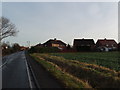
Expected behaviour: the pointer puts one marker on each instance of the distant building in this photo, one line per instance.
(106, 45)
(83, 44)
(23, 48)
(55, 43)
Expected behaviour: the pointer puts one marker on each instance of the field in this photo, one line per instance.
(107, 59)
(72, 70)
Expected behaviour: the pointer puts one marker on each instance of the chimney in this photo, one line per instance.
(55, 39)
(105, 39)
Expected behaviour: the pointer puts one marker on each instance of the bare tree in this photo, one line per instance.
(6, 28)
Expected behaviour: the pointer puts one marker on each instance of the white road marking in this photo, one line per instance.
(7, 61)
(29, 77)
(8, 58)
(3, 64)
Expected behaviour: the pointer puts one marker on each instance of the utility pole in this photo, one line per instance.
(28, 43)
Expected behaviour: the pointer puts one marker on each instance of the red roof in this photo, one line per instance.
(106, 42)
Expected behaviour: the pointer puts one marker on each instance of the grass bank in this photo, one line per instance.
(66, 79)
(96, 76)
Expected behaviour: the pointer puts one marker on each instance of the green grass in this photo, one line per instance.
(107, 59)
(66, 79)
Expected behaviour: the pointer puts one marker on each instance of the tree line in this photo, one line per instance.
(7, 28)
(9, 49)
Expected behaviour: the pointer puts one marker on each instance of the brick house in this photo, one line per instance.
(106, 45)
(83, 44)
(55, 43)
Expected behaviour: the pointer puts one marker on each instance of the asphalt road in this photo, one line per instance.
(15, 73)
(18, 69)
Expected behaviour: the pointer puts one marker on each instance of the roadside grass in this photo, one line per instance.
(97, 76)
(107, 59)
(67, 80)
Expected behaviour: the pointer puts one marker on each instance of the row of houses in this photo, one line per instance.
(84, 45)
(90, 45)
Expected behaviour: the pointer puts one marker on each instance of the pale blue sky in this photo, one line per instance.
(0, 9)
(39, 21)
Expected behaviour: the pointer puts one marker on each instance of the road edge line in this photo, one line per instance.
(31, 70)
(28, 73)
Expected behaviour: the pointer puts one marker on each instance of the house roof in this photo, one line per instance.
(39, 44)
(83, 42)
(106, 41)
(119, 44)
(54, 41)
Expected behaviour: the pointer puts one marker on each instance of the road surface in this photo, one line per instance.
(19, 70)
(15, 73)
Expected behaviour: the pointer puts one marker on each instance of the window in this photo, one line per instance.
(55, 45)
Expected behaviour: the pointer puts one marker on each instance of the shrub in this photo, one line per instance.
(44, 50)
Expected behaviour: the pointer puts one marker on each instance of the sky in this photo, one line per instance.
(38, 22)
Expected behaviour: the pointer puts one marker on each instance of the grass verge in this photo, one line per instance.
(67, 80)
(97, 77)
